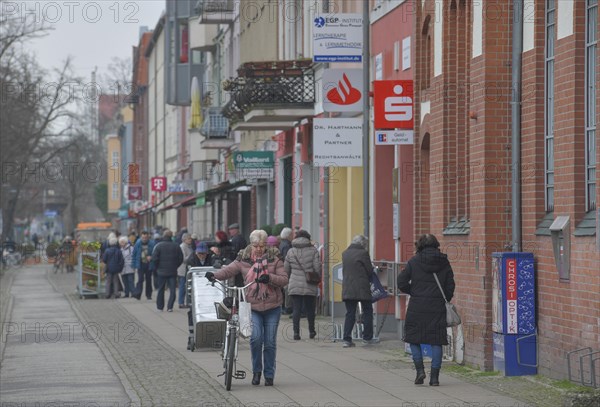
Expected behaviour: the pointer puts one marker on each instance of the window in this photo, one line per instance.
(549, 106)
(427, 59)
(115, 191)
(115, 159)
(591, 45)
(396, 55)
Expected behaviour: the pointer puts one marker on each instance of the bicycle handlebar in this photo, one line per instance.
(231, 288)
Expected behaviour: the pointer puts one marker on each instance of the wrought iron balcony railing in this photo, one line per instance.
(270, 85)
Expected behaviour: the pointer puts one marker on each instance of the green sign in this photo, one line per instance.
(253, 159)
(201, 200)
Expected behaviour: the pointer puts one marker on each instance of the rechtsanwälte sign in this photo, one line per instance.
(337, 142)
(254, 164)
(338, 38)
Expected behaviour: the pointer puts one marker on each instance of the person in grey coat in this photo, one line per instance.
(356, 287)
(187, 249)
(300, 259)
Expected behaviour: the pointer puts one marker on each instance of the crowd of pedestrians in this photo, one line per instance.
(287, 271)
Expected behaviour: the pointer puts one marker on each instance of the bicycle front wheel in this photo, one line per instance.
(229, 357)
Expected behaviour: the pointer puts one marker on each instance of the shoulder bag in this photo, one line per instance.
(312, 277)
(452, 317)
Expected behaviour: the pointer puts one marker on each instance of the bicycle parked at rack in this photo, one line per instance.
(232, 331)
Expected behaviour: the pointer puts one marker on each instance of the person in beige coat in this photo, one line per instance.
(265, 266)
(302, 258)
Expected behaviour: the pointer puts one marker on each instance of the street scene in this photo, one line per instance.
(59, 350)
(299, 202)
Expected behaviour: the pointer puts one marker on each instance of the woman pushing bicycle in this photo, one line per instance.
(262, 264)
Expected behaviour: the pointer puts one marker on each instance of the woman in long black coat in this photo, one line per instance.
(426, 315)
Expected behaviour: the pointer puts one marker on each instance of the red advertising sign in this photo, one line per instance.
(159, 183)
(133, 172)
(393, 104)
(134, 192)
(511, 296)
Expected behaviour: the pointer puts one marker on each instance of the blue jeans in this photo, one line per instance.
(128, 286)
(264, 340)
(182, 296)
(436, 354)
(367, 308)
(160, 296)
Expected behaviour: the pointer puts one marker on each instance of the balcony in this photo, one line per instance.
(216, 11)
(215, 129)
(270, 95)
(202, 35)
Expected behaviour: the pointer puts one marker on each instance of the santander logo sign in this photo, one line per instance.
(342, 90)
(344, 94)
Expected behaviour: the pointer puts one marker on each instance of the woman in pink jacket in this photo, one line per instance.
(262, 264)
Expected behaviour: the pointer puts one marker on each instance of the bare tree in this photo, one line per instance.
(33, 103)
(117, 79)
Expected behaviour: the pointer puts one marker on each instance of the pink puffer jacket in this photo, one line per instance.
(277, 278)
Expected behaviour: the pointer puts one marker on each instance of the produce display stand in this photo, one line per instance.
(92, 281)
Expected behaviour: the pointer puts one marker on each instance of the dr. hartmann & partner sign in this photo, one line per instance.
(337, 142)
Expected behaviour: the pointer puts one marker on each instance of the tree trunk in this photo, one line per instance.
(8, 217)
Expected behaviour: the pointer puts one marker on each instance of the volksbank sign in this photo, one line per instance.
(253, 159)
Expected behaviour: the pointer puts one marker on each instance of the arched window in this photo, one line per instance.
(427, 57)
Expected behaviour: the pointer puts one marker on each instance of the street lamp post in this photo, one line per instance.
(366, 118)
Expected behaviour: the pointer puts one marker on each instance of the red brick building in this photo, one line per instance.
(462, 159)
(140, 115)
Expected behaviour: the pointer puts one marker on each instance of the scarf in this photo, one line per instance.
(259, 291)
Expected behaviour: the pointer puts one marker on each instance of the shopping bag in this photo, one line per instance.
(245, 314)
(377, 290)
(452, 317)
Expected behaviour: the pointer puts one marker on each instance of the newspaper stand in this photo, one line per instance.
(208, 328)
(91, 277)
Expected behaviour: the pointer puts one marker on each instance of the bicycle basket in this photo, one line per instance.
(223, 312)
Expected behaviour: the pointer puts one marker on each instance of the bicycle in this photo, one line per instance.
(232, 332)
(59, 262)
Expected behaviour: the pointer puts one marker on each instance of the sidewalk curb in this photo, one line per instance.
(7, 314)
(131, 393)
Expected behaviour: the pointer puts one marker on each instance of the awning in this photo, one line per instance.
(180, 204)
(223, 187)
(144, 211)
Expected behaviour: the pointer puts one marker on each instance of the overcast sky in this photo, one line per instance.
(92, 32)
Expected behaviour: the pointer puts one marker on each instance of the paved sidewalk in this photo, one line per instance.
(48, 355)
(140, 356)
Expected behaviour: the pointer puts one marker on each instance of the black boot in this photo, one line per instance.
(256, 378)
(420, 372)
(434, 377)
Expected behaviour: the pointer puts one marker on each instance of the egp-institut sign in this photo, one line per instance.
(338, 38)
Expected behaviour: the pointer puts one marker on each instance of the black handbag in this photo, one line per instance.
(312, 277)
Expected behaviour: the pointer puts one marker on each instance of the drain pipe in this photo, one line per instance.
(517, 52)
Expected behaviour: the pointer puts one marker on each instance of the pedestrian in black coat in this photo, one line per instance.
(237, 240)
(356, 287)
(426, 314)
(167, 257)
(113, 258)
